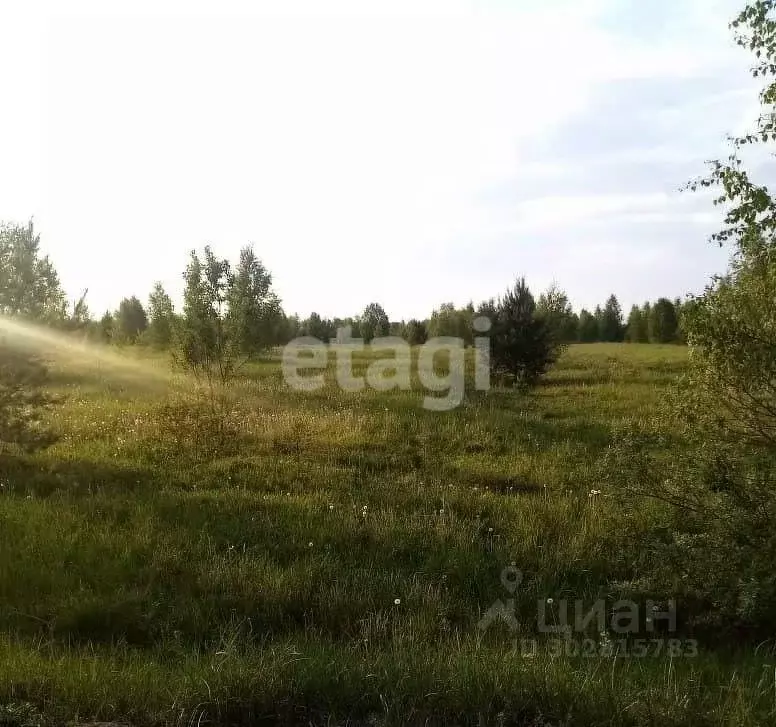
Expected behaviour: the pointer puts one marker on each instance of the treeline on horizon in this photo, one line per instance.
(658, 322)
(30, 287)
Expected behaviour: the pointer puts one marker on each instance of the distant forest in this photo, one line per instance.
(31, 288)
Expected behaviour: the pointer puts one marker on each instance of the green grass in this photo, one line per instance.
(148, 581)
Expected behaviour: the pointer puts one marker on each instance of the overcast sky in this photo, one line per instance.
(408, 153)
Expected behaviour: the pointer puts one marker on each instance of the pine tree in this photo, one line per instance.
(523, 346)
(610, 321)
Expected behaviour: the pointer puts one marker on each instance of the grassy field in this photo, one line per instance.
(329, 561)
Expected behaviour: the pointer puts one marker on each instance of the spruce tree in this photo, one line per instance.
(523, 346)
(611, 324)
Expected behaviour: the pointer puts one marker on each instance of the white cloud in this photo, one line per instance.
(349, 144)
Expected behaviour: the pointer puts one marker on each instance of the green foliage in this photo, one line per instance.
(29, 284)
(732, 327)
(750, 210)
(76, 318)
(716, 549)
(450, 321)
(415, 332)
(22, 401)
(714, 543)
(588, 327)
(163, 564)
(374, 322)
(732, 330)
(610, 324)
(204, 428)
(354, 323)
(203, 346)
(487, 309)
(684, 311)
(317, 327)
(21, 714)
(161, 318)
(636, 330)
(253, 321)
(555, 308)
(130, 321)
(663, 322)
(731, 391)
(646, 313)
(105, 327)
(522, 343)
(290, 327)
(228, 316)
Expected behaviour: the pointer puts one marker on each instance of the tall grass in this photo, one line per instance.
(328, 556)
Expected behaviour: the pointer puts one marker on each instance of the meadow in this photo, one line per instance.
(326, 557)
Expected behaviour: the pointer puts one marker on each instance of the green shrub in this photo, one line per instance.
(22, 401)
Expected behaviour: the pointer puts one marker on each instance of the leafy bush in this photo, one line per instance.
(718, 544)
(229, 315)
(732, 329)
(712, 542)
